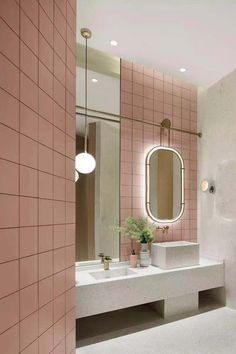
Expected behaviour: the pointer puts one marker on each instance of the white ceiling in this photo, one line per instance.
(199, 35)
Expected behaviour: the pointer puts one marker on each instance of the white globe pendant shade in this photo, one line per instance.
(85, 163)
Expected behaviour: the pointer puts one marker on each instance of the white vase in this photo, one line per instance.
(144, 258)
(144, 247)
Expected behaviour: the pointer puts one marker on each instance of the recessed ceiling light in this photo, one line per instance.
(94, 80)
(113, 43)
(182, 70)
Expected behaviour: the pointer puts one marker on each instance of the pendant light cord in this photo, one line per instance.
(86, 95)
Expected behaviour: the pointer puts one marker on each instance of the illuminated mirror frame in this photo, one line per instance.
(147, 184)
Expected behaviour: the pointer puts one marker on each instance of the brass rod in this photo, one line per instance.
(133, 119)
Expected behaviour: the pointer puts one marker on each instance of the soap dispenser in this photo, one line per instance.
(133, 260)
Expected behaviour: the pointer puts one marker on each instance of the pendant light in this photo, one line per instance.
(85, 162)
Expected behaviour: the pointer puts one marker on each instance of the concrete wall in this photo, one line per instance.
(217, 161)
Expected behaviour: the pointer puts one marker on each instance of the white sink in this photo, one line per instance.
(112, 273)
(177, 254)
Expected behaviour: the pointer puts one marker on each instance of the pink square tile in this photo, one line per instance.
(138, 67)
(126, 86)
(70, 213)
(70, 104)
(45, 291)
(28, 330)
(70, 147)
(59, 307)
(45, 80)
(59, 117)
(28, 300)
(28, 271)
(45, 51)
(126, 110)
(45, 212)
(59, 236)
(70, 277)
(70, 256)
(45, 264)
(9, 144)
(60, 348)
(148, 81)
(48, 7)
(28, 211)
(70, 126)
(45, 317)
(9, 309)
(45, 185)
(9, 43)
(70, 169)
(60, 165)
(9, 340)
(59, 45)
(70, 321)
(9, 277)
(10, 13)
(45, 132)
(59, 69)
(28, 241)
(8, 177)
(71, 18)
(59, 188)
(70, 299)
(9, 206)
(126, 64)
(45, 238)
(32, 348)
(28, 182)
(28, 33)
(45, 106)
(28, 62)
(28, 152)
(70, 342)
(45, 159)
(70, 234)
(60, 22)
(46, 342)
(70, 61)
(59, 283)
(59, 94)
(59, 259)
(59, 330)
(9, 244)
(59, 212)
(9, 110)
(70, 191)
(45, 26)
(126, 74)
(28, 92)
(28, 122)
(59, 140)
(31, 10)
(10, 80)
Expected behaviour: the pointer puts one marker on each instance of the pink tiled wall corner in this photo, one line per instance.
(37, 199)
(147, 97)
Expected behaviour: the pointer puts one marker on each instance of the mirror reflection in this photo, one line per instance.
(164, 194)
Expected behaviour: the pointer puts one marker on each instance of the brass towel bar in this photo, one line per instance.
(133, 119)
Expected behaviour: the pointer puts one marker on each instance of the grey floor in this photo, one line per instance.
(139, 330)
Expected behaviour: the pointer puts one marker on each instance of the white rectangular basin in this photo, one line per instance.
(176, 254)
(112, 273)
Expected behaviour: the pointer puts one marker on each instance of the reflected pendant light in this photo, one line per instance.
(85, 162)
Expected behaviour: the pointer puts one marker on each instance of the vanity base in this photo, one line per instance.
(178, 305)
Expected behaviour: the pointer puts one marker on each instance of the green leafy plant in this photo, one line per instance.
(139, 229)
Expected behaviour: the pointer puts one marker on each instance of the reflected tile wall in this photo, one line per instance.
(37, 199)
(147, 97)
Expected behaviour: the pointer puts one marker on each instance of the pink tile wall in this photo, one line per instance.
(37, 199)
(147, 97)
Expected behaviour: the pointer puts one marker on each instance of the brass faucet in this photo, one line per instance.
(102, 256)
(106, 262)
(164, 228)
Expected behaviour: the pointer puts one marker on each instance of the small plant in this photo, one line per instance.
(139, 229)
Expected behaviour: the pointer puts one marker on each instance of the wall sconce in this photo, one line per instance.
(208, 186)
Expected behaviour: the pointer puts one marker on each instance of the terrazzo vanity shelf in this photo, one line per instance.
(130, 287)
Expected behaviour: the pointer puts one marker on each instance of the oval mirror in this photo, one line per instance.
(164, 184)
